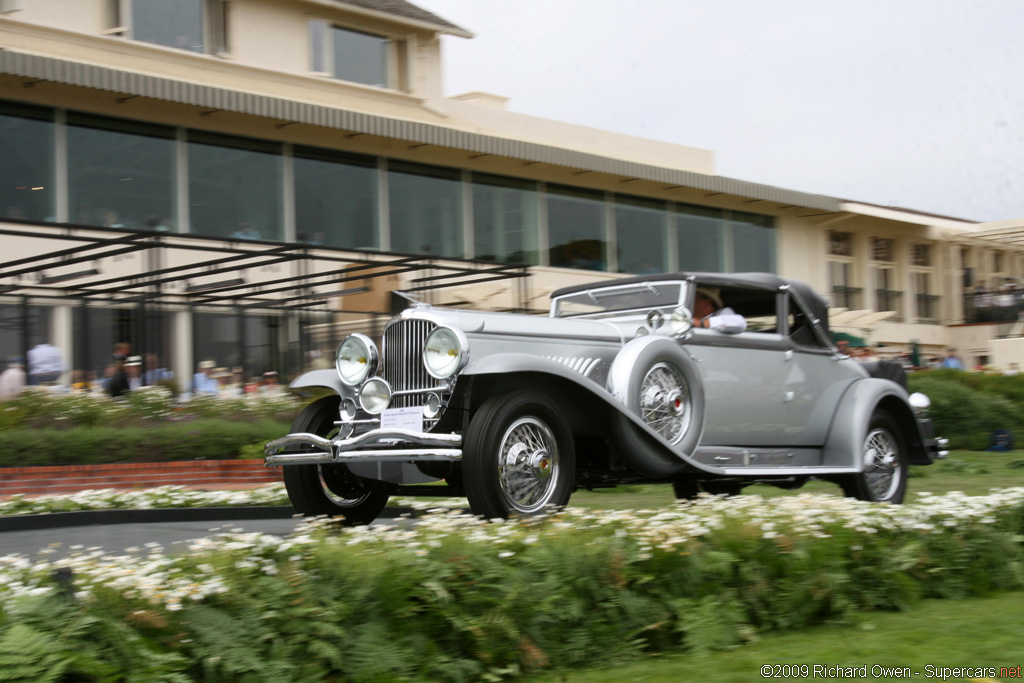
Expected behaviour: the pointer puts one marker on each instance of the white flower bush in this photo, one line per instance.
(142, 499)
(168, 581)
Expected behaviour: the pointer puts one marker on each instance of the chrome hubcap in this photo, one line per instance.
(881, 464)
(665, 402)
(528, 464)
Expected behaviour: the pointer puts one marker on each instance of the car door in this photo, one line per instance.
(744, 375)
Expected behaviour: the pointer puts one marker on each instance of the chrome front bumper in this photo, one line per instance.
(377, 445)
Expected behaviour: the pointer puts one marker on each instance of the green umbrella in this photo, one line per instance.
(851, 339)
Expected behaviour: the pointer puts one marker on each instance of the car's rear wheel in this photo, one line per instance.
(329, 489)
(518, 456)
(883, 478)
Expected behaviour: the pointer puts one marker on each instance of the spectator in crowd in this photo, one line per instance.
(952, 360)
(12, 380)
(80, 383)
(1014, 369)
(133, 368)
(154, 371)
(270, 385)
(235, 385)
(45, 364)
(117, 385)
(202, 382)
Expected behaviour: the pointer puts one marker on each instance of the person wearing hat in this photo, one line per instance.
(202, 382)
(133, 368)
(709, 312)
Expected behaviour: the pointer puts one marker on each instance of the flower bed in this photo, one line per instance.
(160, 497)
(456, 598)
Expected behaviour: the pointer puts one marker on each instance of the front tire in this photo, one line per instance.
(518, 456)
(884, 475)
(329, 489)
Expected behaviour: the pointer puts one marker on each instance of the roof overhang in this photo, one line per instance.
(67, 72)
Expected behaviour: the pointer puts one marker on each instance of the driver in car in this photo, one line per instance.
(709, 312)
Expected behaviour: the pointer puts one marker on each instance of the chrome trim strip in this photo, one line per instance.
(337, 448)
(390, 455)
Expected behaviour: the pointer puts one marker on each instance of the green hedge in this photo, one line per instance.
(968, 407)
(210, 439)
(460, 600)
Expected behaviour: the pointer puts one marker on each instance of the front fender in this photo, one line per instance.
(325, 379)
(845, 442)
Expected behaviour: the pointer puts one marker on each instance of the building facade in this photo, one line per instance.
(245, 180)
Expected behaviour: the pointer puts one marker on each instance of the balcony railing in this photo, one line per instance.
(994, 306)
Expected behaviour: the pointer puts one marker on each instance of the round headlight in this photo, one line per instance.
(444, 352)
(357, 359)
(374, 396)
(681, 321)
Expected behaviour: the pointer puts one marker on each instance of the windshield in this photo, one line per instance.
(610, 299)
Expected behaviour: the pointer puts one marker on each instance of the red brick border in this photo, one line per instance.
(210, 474)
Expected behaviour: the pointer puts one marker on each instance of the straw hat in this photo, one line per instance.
(711, 294)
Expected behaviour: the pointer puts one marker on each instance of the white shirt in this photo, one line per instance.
(12, 380)
(727, 321)
(45, 358)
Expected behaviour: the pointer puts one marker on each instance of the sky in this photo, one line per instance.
(915, 104)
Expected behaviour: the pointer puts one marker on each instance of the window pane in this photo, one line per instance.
(26, 172)
(753, 243)
(217, 338)
(426, 210)
(174, 23)
(641, 229)
(576, 229)
(120, 173)
(700, 239)
(840, 243)
(360, 57)
(505, 220)
(234, 187)
(12, 323)
(335, 199)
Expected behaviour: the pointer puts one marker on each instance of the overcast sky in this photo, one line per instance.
(917, 104)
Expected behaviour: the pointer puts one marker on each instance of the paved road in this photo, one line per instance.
(115, 538)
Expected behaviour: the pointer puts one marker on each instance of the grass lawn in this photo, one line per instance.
(972, 472)
(986, 632)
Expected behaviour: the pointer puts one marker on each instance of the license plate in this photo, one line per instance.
(410, 418)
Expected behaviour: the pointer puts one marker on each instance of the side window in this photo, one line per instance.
(800, 330)
(756, 306)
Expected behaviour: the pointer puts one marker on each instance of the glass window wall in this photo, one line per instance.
(14, 334)
(120, 173)
(576, 229)
(700, 239)
(336, 199)
(426, 209)
(505, 215)
(26, 162)
(234, 187)
(753, 242)
(173, 23)
(641, 230)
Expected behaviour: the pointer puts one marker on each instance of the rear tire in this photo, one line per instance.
(518, 457)
(329, 489)
(884, 475)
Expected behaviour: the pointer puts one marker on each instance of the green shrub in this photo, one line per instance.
(159, 442)
(966, 416)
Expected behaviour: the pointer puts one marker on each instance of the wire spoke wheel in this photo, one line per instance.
(518, 456)
(665, 402)
(882, 473)
(528, 465)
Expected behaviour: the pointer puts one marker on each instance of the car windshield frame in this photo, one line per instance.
(619, 299)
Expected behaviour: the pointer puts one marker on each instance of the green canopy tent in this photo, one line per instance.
(850, 339)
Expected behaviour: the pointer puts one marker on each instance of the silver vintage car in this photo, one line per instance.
(621, 383)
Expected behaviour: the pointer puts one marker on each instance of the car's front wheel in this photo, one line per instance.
(518, 456)
(883, 478)
(329, 489)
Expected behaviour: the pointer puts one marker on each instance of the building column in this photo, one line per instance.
(62, 331)
(182, 354)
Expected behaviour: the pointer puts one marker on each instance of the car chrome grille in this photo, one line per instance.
(402, 365)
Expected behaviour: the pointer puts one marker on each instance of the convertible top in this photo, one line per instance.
(816, 304)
